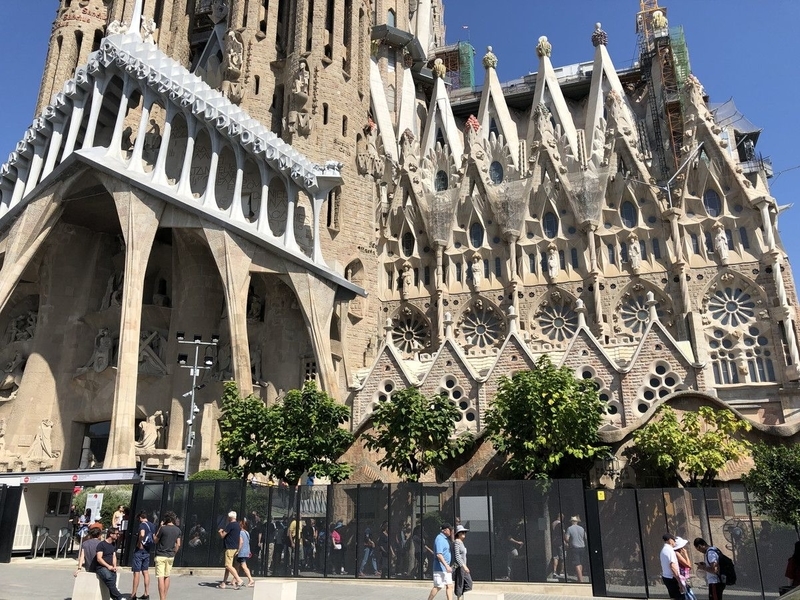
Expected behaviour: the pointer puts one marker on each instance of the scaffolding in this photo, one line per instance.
(459, 64)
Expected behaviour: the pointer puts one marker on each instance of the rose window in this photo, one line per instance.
(732, 306)
(635, 314)
(410, 333)
(558, 322)
(481, 326)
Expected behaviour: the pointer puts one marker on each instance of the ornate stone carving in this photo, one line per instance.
(368, 159)
(22, 327)
(599, 37)
(148, 30)
(476, 272)
(659, 20)
(255, 305)
(410, 331)
(219, 11)
(117, 27)
(149, 432)
(406, 281)
(553, 261)
(102, 355)
(543, 48)
(152, 346)
(480, 325)
(113, 294)
(12, 377)
(489, 59)
(42, 446)
(299, 118)
(233, 59)
(721, 243)
(439, 70)
(634, 252)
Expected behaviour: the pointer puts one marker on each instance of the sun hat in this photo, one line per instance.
(460, 528)
(680, 542)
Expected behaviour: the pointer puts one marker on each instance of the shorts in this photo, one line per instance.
(442, 579)
(230, 554)
(164, 565)
(242, 559)
(576, 556)
(141, 561)
(557, 552)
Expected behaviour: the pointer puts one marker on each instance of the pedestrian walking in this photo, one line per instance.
(442, 571)
(244, 551)
(140, 564)
(230, 543)
(670, 569)
(576, 540)
(463, 578)
(168, 542)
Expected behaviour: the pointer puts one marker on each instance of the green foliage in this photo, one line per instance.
(774, 482)
(690, 451)
(113, 496)
(415, 433)
(210, 475)
(298, 434)
(544, 418)
(243, 426)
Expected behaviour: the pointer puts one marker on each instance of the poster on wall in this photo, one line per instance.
(94, 502)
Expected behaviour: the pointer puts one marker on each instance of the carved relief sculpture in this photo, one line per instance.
(254, 306)
(233, 59)
(406, 281)
(151, 353)
(721, 243)
(476, 272)
(148, 432)
(553, 266)
(634, 252)
(22, 327)
(368, 160)
(148, 30)
(101, 357)
(42, 446)
(299, 118)
(12, 377)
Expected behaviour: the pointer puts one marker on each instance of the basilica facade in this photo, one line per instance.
(303, 183)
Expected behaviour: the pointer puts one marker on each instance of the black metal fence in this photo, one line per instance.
(516, 531)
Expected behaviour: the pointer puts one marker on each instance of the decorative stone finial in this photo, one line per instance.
(439, 70)
(659, 20)
(651, 306)
(541, 111)
(580, 310)
(512, 319)
(388, 328)
(472, 124)
(448, 325)
(599, 37)
(543, 48)
(489, 59)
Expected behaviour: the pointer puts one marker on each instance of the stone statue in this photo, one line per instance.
(152, 141)
(233, 59)
(368, 159)
(42, 446)
(476, 272)
(721, 243)
(553, 262)
(406, 281)
(299, 119)
(254, 306)
(439, 69)
(543, 48)
(659, 20)
(634, 252)
(149, 430)
(116, 28)
(219, 10)
(101, 357)
(255, 366)
(113, 294)
(151, 353)
(22, 327)
(222, 370)
(12, 376)
(148, 30)
(2, 436)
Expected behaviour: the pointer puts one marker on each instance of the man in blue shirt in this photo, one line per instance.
(230, 542)
(442, 571)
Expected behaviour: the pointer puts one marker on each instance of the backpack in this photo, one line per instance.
(727, 571)
(148, 542)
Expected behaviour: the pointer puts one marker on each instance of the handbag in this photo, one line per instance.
(337, 546)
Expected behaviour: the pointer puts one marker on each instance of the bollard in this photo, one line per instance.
(275, 589)
(88, 587)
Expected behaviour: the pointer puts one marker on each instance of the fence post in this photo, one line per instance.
(594, 542)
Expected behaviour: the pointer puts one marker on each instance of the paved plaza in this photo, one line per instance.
(48, 579)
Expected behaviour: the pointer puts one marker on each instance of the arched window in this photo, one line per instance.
(408, 243)
(656, 250)
(441, 181)
(629, 214)
(612, 255)
(496, 172)
(476, 235)
(574, 256)
(712, 203)
(550, 225)
(391, 18)
(744, 238)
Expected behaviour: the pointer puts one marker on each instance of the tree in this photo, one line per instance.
(692, 450)
(243, 426)
(774, 482)
(297, 434)
(415, 434)
(544, 418)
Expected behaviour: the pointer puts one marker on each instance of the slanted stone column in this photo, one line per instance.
(139, 215)
(25, 238)
(234, 256)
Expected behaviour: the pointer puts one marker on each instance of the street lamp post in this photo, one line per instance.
(194, 371)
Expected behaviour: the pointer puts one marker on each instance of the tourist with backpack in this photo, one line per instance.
(719, 569)
(140, 564)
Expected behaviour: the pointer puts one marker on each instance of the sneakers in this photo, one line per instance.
(145, 597)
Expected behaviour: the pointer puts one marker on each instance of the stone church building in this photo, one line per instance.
(308, 182)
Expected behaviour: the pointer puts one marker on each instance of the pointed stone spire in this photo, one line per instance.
(651, 306)
(388, 328)
(136, 18)
(512, 320)
(580, 309)
(440, 116)
(448, 326)
(493, 107)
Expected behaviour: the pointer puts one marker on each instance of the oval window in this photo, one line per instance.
(629, 214)
(496, 172)
(550, 225)
(712, 203)
(441, 182)
(476, 235)
(408, 243)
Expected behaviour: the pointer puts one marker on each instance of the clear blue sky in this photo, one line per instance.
(745, 49)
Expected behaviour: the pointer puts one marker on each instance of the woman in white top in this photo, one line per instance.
(462, 578)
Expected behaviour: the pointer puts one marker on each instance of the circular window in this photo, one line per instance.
(476, 235)
(655, 382)
(587, 375)
(661, 369)
(441, 181)
(463, 405)
(670, 381)
(388, 388)
(496, 172)
(408, 243)
(382, 397)
(450, 383)
(550, 225)
(649, 395)
(470, 416)
(712, 203)
(456, 394)
(642, 407)
(612, 410)
(629, 214)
